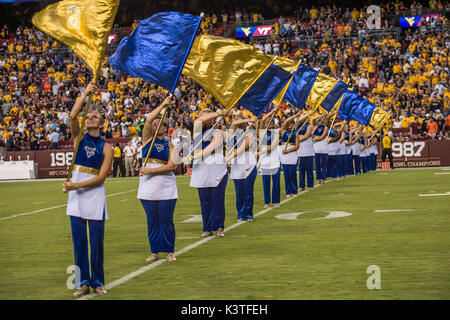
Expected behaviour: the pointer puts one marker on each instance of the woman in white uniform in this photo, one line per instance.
(289, 157)
(342, 154)
(243, 166)
(209, 172)
(333, 151)
(320, 148)
(356, 150)
(86, 205)
(269, 159)
(305, 155)
(157, 185)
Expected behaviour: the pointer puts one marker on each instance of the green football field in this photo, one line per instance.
(324, 244)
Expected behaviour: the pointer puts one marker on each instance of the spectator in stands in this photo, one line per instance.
(129, 154)
(54, 139)
(432, 127)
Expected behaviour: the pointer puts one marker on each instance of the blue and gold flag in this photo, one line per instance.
(333, 97)
(300, 86)
(228, 69)
(265, 89)
(157, 49)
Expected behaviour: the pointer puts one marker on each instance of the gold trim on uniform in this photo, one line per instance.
(157, 161)
(86, 169)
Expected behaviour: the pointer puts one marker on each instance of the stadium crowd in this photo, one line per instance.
(408, 77)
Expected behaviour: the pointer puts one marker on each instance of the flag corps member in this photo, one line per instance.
(86, 205)
(289, 155)
(209, 172)
(243, 167)
(157, 185)
(269, 159)
(306, 156)
(320, 147)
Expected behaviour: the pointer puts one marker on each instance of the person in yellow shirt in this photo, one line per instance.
(387, 149)
(332, 64)
(314, 13)
(347, 30)
(354, 14)
(396, 68)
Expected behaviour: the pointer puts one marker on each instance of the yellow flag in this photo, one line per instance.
(226, 68)
(379, 118)
(83, 25)
(320, 89)
(290, 66)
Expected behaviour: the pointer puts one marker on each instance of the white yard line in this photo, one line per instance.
(56, 207)
(434, 194)
(179, 252)
(395, 210)
(442, 173)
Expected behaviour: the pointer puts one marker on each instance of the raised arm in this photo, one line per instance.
(241, 121)
(303, 137)
(286, 122)
(147, 132)
(267, 117)
(77, 107)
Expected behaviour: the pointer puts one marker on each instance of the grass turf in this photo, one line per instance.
(269, 258)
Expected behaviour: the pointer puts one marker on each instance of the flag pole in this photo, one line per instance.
(267, 129)
(332, 123)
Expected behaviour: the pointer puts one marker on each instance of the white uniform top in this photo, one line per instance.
(348, 148)
(288, 158)
(306, 148)
(269, 163)
(342, 149)
(208, 172)
(364, 153)
(157, 186)
(372, 149)
(244, 163)
(87, 203)
(375, 149)
(333, 148)
(321, 146)
(356, 147)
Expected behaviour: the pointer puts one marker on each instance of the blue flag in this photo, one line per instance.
(301, 86)
(158, 48)
(363, 112)
(349, 100)
(335, 94)
(265, 89)
(355, 107)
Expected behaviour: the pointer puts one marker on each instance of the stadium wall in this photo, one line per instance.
(413, 154)
(409, 154)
